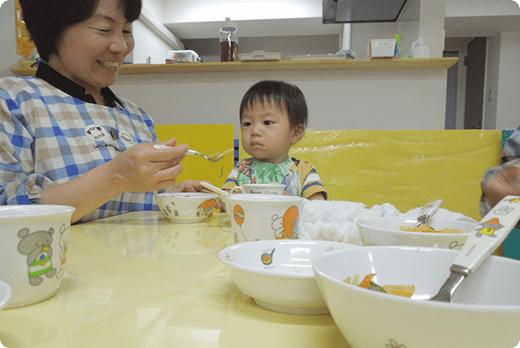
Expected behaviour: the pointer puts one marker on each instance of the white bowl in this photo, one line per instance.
(34, 243)
(386, 231)
(6, 292)
(263, 217)
(187, 207)
(485, 312)
(278, 274)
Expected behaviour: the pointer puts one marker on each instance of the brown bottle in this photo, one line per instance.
(228, 42)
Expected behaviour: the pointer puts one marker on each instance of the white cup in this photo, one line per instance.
(263, 217)
(261, 189)
(33, 250)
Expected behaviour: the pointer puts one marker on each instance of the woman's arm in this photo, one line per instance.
(141, 168)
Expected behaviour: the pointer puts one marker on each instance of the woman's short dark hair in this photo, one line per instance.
(282, 94)
(47, 19)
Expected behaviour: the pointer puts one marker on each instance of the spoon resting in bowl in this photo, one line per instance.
(427, 211)
(489, 233)
(215, 189)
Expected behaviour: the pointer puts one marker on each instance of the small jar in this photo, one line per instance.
(228, 41)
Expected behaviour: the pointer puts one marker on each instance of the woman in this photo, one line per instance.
(65, 137)
(502, 180)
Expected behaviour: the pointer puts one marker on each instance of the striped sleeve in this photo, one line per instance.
(311, 180)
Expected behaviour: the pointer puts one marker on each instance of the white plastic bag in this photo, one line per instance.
(420, 50)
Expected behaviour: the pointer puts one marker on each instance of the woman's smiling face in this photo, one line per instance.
(91, 52)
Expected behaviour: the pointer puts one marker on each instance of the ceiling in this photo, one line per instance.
(188, 19)
(480, 26)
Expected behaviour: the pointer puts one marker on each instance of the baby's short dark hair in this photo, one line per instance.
(280, 93)
(47, 19)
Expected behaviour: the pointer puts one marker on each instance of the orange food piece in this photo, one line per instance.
(425, 228)
(366, 281)
(401, 290)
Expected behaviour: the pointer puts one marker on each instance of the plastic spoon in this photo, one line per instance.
(489, 233)
(427, 211)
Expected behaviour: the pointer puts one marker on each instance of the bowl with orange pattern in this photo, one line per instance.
(187, 207)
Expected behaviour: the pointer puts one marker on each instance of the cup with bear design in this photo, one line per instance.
(33, 250)
(262, 217)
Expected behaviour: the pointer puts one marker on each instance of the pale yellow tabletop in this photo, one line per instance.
(138, 280)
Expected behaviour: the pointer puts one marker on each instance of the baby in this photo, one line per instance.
(273, 116)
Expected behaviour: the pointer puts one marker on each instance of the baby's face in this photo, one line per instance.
(267, 134)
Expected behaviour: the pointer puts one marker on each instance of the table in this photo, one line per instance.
(138, 280)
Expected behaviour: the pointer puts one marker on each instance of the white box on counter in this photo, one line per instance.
(182, 56)
(381, 48)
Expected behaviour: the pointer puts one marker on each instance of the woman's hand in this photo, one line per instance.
(187, 186)
(144, 167)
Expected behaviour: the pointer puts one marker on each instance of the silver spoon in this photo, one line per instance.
(212, 158)
(489, 233)
(427, 211)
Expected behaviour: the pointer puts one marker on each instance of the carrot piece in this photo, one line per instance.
(366, 281)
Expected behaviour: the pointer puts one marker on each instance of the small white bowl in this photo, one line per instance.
(278, 274)
(386, 231)
(6, 292)
(485, 312)
(187, 207)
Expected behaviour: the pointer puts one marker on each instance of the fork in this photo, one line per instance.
(489, 233)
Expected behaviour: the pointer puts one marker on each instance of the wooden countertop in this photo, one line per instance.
(23, 68)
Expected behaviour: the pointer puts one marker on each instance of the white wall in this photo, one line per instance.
(502, 97)
(508, 90)
(492, 82)
(8, 47)
(345, 98)
(351, 99)
(150, 47)
(465, 8)
(156, 7)
(362, 33)
(211, 10)
(147, 44)
(431, 25)
(460, 45)
(209, 49)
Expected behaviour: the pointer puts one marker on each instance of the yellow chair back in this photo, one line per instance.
(206, 139)
(407, 168)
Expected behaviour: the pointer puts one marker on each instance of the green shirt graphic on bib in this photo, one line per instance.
(252, 171)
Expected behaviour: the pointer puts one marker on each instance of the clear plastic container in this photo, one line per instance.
(228, 41)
